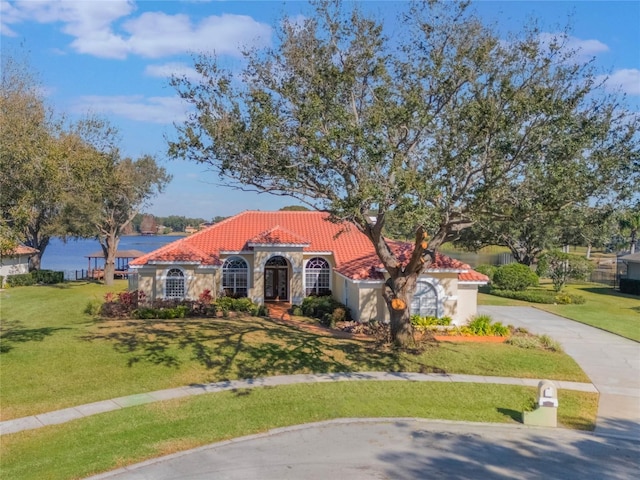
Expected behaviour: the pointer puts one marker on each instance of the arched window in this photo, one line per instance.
(317, 277)
(174, 284)
(235, 277)
(425, 300)
(277, 261)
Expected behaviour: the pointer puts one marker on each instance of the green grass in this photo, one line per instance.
(54, 356)
(604, 308)
(111, 440)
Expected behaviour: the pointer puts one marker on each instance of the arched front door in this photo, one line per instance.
(276, 279)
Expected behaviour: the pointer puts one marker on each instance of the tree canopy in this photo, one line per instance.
(440, 127)
(67, 180)
(111, 190)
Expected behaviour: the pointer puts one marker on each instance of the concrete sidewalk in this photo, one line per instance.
(74, 413)
(611, 362)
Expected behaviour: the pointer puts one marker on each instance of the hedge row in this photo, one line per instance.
(540, 296)
(134, 305)
(629, 285)
(47, 277)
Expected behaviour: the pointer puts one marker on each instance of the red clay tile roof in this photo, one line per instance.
(353, 253)
(22, 250)
(278, 236)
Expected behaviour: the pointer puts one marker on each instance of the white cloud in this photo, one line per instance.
(156, 34)
(107, 29)
(161, 110)
(168, 70)
(626, 80)
(8, 15)
(585, 49)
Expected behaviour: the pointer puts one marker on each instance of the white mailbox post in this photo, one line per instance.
(546, 415)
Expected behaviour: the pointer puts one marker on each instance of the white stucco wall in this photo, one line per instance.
(467, 302)
(14, 265)
(633, 270)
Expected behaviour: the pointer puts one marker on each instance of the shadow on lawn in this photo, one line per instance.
(243, 347)
(13, 332)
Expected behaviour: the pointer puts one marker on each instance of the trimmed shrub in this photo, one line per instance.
(482, 325)
(20, 280)
(514, 276)
(48, 277)
(488, 270)
(323, 308)
(540, 296)
(424, 323)
(543, 342)
(1, 281)
(550, 344)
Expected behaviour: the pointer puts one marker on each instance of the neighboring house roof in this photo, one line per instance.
(353, 253)
(633, 258)
(21, 250)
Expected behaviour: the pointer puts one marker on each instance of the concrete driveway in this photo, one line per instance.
(611, 362)
(400, 449)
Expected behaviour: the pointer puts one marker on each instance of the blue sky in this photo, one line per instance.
(113, 58)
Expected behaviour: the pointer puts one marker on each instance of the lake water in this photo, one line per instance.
(71, 256)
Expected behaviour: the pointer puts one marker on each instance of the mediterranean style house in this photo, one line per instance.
(286, 255)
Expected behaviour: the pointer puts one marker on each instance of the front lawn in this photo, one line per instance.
(55, 356)
(604, 308)
(115, 439)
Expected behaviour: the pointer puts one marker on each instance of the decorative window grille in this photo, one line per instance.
(425, 300)
(174, 284)
(235, 277)
(317, 274)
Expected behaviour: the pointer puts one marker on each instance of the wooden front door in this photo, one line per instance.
(276, 284)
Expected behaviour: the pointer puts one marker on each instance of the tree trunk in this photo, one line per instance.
(401, 328)
(401, 289)
(40, 244)
(588, 251)
(634, 240)
(109, 248)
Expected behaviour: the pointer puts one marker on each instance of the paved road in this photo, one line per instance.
(400, 449)
(611, 362)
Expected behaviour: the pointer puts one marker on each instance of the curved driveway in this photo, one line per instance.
(611, 362)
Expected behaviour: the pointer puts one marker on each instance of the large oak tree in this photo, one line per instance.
(435, 126)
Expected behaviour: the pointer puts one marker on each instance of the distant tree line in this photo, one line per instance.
(147, 223)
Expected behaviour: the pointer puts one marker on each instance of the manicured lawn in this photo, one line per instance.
(55, 356)
(111, 440)
(604, 308)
